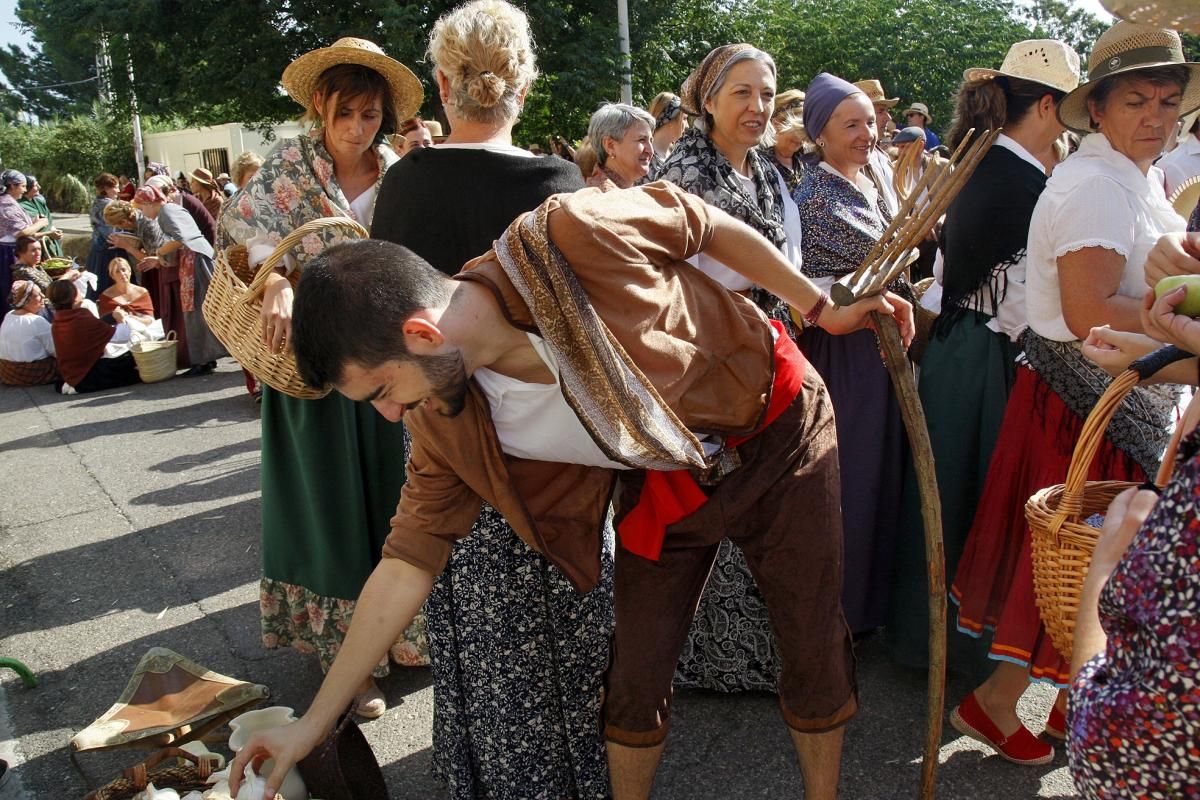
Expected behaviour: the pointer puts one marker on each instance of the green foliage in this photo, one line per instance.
(68, 193)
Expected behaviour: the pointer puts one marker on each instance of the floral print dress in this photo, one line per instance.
(331, 468)
(1135, 708)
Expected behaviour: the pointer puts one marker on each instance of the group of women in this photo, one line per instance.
(1031, 264)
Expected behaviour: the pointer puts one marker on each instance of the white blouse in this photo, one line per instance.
(25, 337)
(1096, 198)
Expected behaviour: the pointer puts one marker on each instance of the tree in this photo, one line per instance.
(1056, 19)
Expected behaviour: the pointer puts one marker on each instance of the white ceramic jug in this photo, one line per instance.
(293, 787)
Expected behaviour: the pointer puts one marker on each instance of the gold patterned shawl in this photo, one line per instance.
(614, 400)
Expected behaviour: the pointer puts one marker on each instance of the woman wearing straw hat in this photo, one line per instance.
(481, 609)
(341, 458)
(205, 187)
(730, 97)
(787, 124)
(1095, 223)
(967, 369)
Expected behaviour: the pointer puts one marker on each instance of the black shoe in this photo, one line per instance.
(200, 369)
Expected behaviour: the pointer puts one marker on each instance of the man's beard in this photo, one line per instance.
(447, 375)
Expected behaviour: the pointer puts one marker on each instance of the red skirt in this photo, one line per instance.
(993, 587)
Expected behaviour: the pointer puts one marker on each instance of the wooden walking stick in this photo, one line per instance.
(887, 260)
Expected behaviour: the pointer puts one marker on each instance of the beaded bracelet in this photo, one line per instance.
(814, 313)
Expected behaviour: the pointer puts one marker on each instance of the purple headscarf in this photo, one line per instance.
(821, 98)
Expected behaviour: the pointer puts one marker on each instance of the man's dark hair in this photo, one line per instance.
(351, 304)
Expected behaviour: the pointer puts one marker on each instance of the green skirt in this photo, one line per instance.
(332, 470)
(964, 386)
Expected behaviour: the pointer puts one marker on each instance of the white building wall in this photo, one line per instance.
(181, 150)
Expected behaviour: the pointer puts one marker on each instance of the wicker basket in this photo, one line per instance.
(924, 319)
(155, 360)
(1061, 542)
(232, 309)
(184, 777)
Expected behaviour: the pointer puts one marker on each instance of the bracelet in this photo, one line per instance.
(814, 313)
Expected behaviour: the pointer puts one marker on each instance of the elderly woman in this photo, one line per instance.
(28, 266)
(92, 355)
(14, 223)
(787, 123)
(34, 203)
(1094, 224)
(183, 246)
(26, 343)
(843, 212)
(481, 609)
(621, 136)
(126, 295)
(204, 221)
(669, 121)
(244, 168)
(101, 252)
(968, 367)
(731, 97)
(345, 459)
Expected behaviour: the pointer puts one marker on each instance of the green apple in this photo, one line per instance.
(1190, 305)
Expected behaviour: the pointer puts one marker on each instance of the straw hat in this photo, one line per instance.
(300, 77)
(1181, 15)
(873, 89)
(203, 177)
(1126, 47)
(1046, 61)
(1186, 196)
(435, 129)
(920, 108)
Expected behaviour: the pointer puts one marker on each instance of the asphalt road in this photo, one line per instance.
(129, 519)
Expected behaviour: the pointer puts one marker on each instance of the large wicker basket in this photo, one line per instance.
(232, 309)
(190, 772)
(155, 360)
(1061, 542)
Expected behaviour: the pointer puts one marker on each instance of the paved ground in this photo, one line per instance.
(129, 519)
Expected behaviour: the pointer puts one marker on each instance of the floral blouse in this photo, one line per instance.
(295, 185)
(1135, 708)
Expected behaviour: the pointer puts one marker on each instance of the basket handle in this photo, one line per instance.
(139, 774)
(1097, 423)
(291, 240)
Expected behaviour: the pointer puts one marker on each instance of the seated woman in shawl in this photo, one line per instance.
(719, 158)
(26, 344)
(28, 266)
(134, 300)
(92, 355)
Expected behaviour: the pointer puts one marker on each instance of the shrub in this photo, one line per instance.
(67, 193)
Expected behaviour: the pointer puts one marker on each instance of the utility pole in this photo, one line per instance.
(104, 70)
(138, 155)
(626, 59)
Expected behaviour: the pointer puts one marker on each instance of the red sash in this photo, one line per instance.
(668, 497)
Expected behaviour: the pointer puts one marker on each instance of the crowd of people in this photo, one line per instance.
(632, 415)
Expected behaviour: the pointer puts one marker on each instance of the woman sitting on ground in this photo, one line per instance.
(621, 136)
(125, 295)
(92, 355)
(26, 345)
(28, 266)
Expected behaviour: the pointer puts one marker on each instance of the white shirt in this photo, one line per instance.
(535, 421)
(731, 279)
(118, 345)
(25, 337)
(1096, 198)
(1181, 163)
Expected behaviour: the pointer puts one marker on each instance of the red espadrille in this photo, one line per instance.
(1022, 747)
(1056, 725)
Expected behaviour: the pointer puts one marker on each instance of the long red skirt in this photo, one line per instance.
(163, 285)
(993, 587)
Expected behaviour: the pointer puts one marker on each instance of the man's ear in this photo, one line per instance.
(422, 336)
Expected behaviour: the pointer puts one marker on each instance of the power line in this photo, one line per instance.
(53, 85)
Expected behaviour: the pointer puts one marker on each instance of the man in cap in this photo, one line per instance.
(918, 115)
(580, 355)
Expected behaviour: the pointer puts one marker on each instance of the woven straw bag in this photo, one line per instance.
(1061, 542)
(155, 360)
(232, 309)
(183, 777)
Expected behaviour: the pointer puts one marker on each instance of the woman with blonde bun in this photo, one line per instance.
(505, 725)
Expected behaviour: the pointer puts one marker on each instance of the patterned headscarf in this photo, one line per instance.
(822, 97)
(670, 112)
(157, 169)
(705, 78)
(21, 292)
(148, 194)
(10, 177)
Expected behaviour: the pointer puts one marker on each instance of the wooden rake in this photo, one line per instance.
(891, 256)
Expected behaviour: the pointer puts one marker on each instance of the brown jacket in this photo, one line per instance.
(706, 350)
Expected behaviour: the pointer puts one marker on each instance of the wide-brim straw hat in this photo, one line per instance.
(873, 89)
(1046, 61)
(1180, 15)
(300, 77)
(920, 108)
(203, 177)
(1127, 47)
